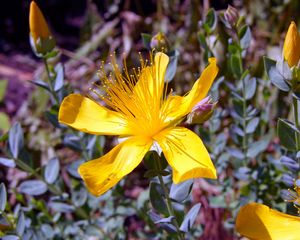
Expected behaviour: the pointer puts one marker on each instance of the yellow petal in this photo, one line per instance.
(37, 23)
(291, 46)
(259, 222)
(151, 81)
(186, 154)
(85, 115)
(103, 173)
(176, 107)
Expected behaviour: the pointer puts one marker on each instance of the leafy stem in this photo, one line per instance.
(168, 201)
(50, 80)
(296, 117)
(27, 168)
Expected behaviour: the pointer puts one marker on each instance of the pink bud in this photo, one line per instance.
(202, 111)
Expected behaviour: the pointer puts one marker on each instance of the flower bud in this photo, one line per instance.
(231, 16)
(290, 163)
(202, 111)
(288, 180)
(41, 39)
(291, 46)
(160, 42)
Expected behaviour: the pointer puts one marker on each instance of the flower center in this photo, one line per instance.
(137, 96)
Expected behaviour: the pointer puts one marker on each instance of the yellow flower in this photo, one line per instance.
(140, 110)
(291, 46)
(259, 222)
(42, 39)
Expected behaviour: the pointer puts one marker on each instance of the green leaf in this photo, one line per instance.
(179, 192)
(4, 122)
(235, 65)
(51, 170)
(153, 161)
(153, 173)
(41, 84)
(269, 63)
(287, 134)
(15, 139)
(73, 142)
(33, 187)
(3, 197)
(52, 118)
(211, 20)
(190, 218)
(156, 198)
(217, 202)
(3, 87)
(202, 41)
(146, 40)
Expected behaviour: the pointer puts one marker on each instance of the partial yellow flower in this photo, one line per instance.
(42, 39)
(139, 109)
(291, 46)
(259, 222)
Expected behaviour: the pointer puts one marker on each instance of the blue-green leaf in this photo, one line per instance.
(59, 79)
(172, 66)
(252, 125)
(179, 192)
(3, 197)
(15, 139)
(51, 170)
(20, 224)
(61, 207)
(190, 218)
(245, 37)
(7, 162)
(33, 187)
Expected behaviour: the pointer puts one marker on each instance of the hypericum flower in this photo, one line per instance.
(259, 222)
(140, 110)
(41, 37)
(291, 46)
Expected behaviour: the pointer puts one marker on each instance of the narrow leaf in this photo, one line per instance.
(190, 218)
(7, 162)
(3, 197)
(20, 224)
(59, 80)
